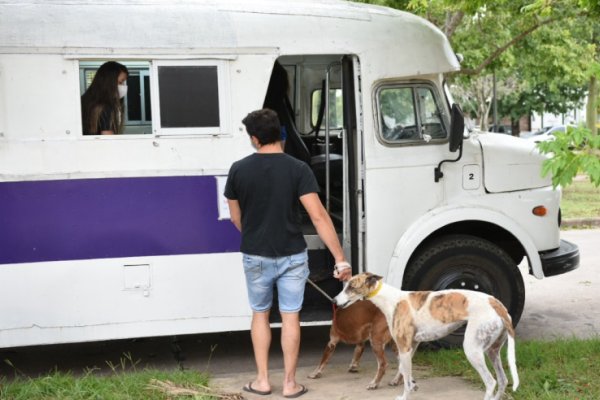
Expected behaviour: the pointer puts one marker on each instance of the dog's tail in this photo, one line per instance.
(512, 361)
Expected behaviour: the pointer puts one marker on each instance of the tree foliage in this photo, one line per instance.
(554, 79)
(577, 149)
(539, 50)
(545, 57)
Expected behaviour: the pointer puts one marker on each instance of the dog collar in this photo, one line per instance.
(377, 289)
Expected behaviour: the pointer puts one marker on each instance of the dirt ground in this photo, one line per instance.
(562, 306)
(337, 384)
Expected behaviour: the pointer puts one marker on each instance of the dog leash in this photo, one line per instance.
(337, 268)
(328, 297)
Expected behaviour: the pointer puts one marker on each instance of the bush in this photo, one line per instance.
(572, 152)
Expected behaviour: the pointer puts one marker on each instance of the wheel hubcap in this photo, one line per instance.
(464, 280)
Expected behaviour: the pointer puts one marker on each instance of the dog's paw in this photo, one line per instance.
(414, 386)
(398, 379)
(315, 375)
(353, 369)
(372, 386)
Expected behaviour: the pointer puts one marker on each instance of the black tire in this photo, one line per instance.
(467, 262)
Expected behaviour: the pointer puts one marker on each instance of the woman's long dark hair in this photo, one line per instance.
(103, 95)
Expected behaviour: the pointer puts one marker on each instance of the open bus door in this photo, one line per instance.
(321, 123)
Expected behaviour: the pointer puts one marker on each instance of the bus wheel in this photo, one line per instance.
(467, 262)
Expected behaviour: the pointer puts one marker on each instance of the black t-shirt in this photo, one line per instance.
(105, 122)
(268, 188)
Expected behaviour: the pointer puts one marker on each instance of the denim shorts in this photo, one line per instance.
(288, 273)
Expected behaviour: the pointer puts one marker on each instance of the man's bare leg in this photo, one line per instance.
(290, 344)
(261, 341)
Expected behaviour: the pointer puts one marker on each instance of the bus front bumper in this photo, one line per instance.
(561, 260)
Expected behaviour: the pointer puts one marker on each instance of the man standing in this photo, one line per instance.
(264, 191)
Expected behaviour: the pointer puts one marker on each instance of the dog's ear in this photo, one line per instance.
(372, 279)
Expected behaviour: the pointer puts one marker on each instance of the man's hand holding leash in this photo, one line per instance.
(342, 271)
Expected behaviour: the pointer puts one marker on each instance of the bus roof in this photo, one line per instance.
(143, 28)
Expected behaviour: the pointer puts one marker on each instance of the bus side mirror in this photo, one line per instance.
(457, 127)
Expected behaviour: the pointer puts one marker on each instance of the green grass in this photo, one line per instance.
(559, 370)
(565, 369)
(119, 385)
(581, 199)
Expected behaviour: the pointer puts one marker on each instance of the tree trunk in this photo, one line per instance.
(515, 127)
(592, 105)
(484, 101)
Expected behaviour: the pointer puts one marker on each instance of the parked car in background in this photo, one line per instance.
(506, 129)
(524, 134)
(546, 133)
(540, 131)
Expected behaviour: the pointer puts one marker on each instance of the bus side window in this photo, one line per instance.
(137, 103)
(398, 118)
(138, 108)
(431, 121)
(409, 113)
(190, 97)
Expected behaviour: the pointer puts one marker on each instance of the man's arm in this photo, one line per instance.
(322, 222)
(236, 213)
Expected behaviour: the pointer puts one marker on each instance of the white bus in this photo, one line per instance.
(108, 237)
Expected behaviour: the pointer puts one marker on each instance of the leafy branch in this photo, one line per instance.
(576, 150)
(496, 53)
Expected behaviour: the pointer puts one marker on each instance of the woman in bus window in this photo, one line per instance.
(102, 102)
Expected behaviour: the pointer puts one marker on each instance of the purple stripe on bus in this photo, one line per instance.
(115, 217)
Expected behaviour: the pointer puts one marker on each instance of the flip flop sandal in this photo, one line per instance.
(299, 393)
(248, 388)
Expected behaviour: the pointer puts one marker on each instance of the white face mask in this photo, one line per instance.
(122, 91)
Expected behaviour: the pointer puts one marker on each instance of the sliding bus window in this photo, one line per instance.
(190, 97)
(137, 102)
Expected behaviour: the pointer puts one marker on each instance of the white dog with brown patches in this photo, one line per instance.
(415, 317)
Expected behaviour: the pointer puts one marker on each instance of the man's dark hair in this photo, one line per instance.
(264, 125)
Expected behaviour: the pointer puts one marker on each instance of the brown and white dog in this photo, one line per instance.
(416, 317)
(356, 324)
